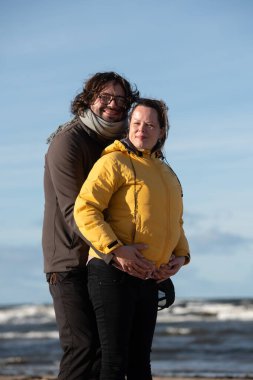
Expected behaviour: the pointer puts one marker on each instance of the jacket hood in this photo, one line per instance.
(116, 146)
(125, 145)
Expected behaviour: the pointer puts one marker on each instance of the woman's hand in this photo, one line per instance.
(129, 259)
(170, 269)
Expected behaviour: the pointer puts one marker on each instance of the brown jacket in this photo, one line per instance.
(70, 156)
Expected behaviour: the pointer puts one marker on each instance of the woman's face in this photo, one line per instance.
(144, 128)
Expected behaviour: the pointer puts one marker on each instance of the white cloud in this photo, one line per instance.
(216, 242)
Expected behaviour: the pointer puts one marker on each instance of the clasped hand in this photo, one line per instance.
(129, 259)
(167, 270)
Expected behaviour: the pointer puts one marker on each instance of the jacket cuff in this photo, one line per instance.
(187, 259)
(112, 246)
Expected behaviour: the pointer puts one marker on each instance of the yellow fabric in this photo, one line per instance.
(105, 208)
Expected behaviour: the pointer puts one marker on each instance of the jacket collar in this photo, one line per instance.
(131, 148)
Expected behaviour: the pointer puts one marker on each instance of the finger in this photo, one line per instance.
(143, 262)
(140, 270)
(135, 273)
(142, 266)
(139, 275)
(170, 272)
(174, 271)
(140, 255)
(140, 246)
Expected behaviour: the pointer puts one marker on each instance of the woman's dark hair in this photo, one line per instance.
(93, 87)
(162, 113)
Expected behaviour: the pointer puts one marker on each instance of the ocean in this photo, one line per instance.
(193, 338)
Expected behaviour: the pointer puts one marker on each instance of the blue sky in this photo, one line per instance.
(197, 55)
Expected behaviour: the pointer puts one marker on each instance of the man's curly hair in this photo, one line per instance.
(95, 84)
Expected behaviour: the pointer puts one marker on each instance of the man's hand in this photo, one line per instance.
(129, 259)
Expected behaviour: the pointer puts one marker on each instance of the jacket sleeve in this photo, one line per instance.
(67, 170)
(182, 247)
(103, 181)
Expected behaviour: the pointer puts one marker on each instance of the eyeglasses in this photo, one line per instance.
(106, 99)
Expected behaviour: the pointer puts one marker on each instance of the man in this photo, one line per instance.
(100, 117)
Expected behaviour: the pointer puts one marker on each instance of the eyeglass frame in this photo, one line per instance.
(115, 98)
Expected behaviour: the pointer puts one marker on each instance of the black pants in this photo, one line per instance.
(77, 326)
(126, 311)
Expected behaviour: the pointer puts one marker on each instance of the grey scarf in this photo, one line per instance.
(106, 129)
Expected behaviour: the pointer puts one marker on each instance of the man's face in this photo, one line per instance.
(111, 103)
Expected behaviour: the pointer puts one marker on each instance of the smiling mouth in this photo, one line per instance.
(112, 110)
(141, 137)
(112, 114)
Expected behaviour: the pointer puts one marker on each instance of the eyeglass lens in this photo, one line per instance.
(107, 98)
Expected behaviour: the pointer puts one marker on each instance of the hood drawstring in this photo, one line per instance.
(135, 198)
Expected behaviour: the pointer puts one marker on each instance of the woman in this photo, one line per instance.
(131, 197)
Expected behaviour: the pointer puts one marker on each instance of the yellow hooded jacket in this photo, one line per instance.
(132, 197)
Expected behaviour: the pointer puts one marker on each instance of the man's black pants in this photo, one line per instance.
(77, 326)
